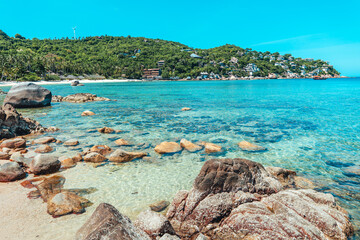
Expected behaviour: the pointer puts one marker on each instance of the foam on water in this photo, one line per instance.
(308, 126)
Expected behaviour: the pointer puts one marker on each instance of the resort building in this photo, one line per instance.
(160, 63)
(251, 67)
(154, 73)
(193, 55)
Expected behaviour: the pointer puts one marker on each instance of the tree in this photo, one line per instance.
(18, 36)
(3, 34)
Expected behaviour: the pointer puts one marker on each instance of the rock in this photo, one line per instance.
(106, 130)
(43, 149)
(102, 149)
(240, 199)
(159, 206)
(77, 158)
(50, 186)
(154, 224)
(185, 109)
(212, 148)
(167, 236)
(11, 171)
(94, 157)
(122, 142)
(75, 83)
(121, 156)
(202, 237)
(168, 147)
(289, 179)
(52, 129)
(79, 98)
(191, 147)
(87, 113)
(250, 147)
(107, 223)
(20, 159)
(71, 142)
(28, 95)
(13, 124)
(65, 203)
(44, 140)
(14, 143)
(4, 156)
(67, 162)
(44, 164)
(289, 214)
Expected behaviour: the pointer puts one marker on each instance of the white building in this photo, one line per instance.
(251, 67)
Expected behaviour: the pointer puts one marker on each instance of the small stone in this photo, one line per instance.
(11, 171)
(94, 157)
(71, 142)
(106, 130)
(122, 142)
(14, 143)
(43, 149)
(102, 149)
(168, 147)
(87, 113)
(250, 147)
(44, 140)
(212, 148)
(185, 109)
(121, 156)
(159, 206)
(191, 147)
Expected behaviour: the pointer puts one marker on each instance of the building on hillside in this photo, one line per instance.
(280, 58)
(160, 63)
(234, 60)
(251, 67)
(309, 59)
(272, 58)
(193, 55)
(204, 75)
(154, 73)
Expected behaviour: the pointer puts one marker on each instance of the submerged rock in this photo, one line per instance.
(94, 157)
(71, 142)
(28, 95)
(191, 147)
(11, 171)
(102, 149)
(44, 164)
(212, 148)
(87, 113)
(168, 147)
(49, 187)
(79, 98)
(250, 147)
(108, 223)
(13, 124)
(106, 130)
(154, 224)
(121, 156)
(65, 203)
(159, 206)
(44, 140)
(122, 142)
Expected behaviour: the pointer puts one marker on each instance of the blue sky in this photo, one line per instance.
(328, 30)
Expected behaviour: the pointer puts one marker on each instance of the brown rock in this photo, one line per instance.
(65, 203)
(50, 186)
(159, 206)
(77, 157)
(43, 149)
(250, 147)
(87, 113)
(14, 143)
(106, 130)
(289, 179)
(168, 147)
(67, 162)
(154, 224)
(94, 157)
(191, 147)
(102, 149)
(44, 140)
(107, 223)
(71, 142)
(11, 171)
(122, 142)
(212, 148)
(121, 156)
(44, 164)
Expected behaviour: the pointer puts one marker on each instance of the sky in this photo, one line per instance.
(328, 30)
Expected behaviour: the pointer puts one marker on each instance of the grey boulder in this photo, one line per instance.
(44, 164)
(11, 171)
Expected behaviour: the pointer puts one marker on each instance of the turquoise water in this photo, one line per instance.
(308, 126)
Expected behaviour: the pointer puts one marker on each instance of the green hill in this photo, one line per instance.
(127, 57)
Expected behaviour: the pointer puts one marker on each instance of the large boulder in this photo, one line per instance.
(13, 124)
(44, 164)
(11, 171)
(154, 224)
(240, 199)
(28, 95)
(108, 223)
(121, 156)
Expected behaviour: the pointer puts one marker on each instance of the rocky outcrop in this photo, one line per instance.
(11, 171)
(240, 199)
(28, 95)
(168, 147)
(79, 98)
(121, 156)
(154, 224)
(191, 147)
(44, 164)
(65, 203)
(13, 124)
(108, 223)
(250, 147)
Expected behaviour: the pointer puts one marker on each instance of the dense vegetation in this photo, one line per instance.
(126, 57)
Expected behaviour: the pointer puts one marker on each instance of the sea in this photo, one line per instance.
(311, 127)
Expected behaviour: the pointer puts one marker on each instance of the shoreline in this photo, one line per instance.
(43, 82)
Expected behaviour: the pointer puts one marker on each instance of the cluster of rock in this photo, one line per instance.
(76, 83)
(79, 98)
(13, 124)
(231, 199)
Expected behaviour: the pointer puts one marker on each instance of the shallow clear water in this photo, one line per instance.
(308, 126)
